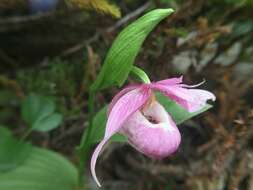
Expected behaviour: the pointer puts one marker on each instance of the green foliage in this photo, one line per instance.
(48, 123)
(120, 58)
(178, 114)
(42, 170)
(58, 78)
(39, 113)
(12, 152)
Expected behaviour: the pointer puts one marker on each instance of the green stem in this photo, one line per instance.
(140, 74)
(83, 149)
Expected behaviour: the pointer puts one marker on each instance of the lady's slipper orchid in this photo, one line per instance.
(135, 113)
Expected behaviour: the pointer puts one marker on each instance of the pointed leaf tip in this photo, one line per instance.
(121, 56)
(166, 11)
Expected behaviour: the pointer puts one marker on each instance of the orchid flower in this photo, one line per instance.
(136, 114)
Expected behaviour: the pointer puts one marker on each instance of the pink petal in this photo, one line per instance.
(171, 81)
(191, 99)
(94, 160)
(155, 140)
(126, 105)
(120, 94)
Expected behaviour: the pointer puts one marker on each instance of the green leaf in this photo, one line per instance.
(47, 107)
(120, 58)
(48, 123)
(42, 170)
(142, 76)
(12, 151)
(178, 113)
(35, 107)
(39, 113)
(30, 108)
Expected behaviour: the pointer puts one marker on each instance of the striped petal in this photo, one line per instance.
(120, 94)
(191, 99)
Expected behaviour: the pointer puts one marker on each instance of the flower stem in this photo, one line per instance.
(140, 74)
(84, 147)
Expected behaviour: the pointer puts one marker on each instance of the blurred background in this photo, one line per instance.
(55, 49)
